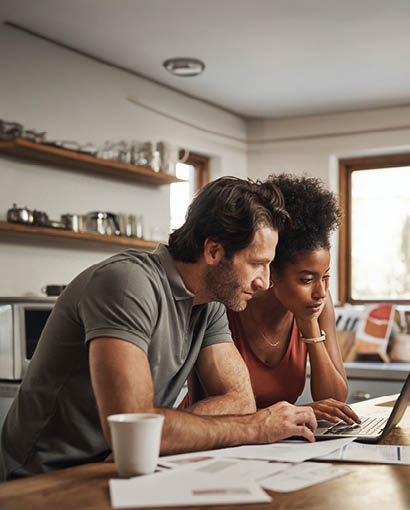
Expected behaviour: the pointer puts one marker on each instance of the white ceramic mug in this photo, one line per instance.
(136, 439)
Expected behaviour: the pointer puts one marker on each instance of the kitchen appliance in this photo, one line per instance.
(21, 323)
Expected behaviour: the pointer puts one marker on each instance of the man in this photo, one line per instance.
(125, 334)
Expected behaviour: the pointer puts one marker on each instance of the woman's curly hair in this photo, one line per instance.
(314, 213)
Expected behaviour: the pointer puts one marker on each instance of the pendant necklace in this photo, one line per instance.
(265, 338)
(274, 344)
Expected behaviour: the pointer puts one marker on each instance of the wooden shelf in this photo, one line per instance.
(51, 155)
(66, 237)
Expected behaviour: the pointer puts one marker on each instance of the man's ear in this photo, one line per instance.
(213, 252)
(274, 277)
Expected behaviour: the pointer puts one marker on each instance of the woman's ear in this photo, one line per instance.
(213, 252)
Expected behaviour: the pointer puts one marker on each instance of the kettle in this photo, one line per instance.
(20, 215)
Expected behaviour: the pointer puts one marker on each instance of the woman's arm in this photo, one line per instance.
(328, 381)
(327, 374)
(328, 377)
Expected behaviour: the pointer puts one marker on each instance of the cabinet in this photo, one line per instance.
(59, 157)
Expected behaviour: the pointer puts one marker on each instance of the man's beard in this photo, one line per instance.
(223, 285)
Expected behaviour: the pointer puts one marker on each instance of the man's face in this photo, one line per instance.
(234, 281)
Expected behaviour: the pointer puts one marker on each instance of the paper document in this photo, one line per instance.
(299, 476)
(380, 454)
(290, 451)
(228, 468)
(183, 487)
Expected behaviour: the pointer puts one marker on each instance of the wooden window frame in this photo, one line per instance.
(346, 168)
(201, 165)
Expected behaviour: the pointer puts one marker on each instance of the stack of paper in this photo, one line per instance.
(284, 451)
(228, 476)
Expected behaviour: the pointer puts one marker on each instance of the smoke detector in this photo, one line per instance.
(184, 66)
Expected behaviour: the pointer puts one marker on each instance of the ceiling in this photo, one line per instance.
(264, 58)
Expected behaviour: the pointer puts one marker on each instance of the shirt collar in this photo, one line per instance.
(176, 282)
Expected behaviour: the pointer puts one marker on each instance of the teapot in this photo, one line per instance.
(20, 215)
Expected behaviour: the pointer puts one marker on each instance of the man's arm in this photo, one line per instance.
(220, 382)
(122, 383)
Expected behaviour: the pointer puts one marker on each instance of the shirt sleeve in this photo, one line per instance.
(119, 302)
(217, 330)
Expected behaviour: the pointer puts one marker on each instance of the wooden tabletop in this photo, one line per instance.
(367, 486)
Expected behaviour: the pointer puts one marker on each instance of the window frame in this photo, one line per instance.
(346, 168)
(201, 165)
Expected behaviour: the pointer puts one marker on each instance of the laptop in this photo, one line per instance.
(373, 428)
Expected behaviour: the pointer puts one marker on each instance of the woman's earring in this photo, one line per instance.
(271, 284)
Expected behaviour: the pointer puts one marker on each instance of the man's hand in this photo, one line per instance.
(283, 420)
(332, 410)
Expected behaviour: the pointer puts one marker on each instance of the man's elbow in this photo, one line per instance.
(246, 403)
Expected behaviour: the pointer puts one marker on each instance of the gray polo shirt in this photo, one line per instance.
(134, 296)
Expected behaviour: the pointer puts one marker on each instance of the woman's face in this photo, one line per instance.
(302, 287)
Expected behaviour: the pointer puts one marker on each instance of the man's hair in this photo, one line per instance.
(228, 210)
(314, 214)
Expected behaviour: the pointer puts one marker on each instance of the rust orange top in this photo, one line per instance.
(286, 380)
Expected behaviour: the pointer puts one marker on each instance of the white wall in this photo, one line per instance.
(314, 144)
(46, 87)
(72, 97)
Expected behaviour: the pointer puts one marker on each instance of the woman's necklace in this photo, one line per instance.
(274, 344)
(265, 337)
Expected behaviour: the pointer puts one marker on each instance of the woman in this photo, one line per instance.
(295, 317)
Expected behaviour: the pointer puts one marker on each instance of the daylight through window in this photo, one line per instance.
(376, 248)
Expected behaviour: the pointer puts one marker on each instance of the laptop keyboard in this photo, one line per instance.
(369, 426)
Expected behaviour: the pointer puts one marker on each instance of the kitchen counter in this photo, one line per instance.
(367, 380)
(375, 371)
(383, 371)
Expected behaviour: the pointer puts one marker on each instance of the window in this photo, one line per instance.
(195, 170)
(374, 248)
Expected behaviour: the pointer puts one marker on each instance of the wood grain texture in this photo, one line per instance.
(41, 235)
(367, 486)
(59, 157)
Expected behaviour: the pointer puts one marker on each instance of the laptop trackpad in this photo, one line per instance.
(323, 425)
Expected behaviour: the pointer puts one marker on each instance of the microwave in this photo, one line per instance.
(21, 322)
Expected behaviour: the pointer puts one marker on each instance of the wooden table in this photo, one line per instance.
(367, 486)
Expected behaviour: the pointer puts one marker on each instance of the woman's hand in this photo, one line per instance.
(332, 410)
(308, 324)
